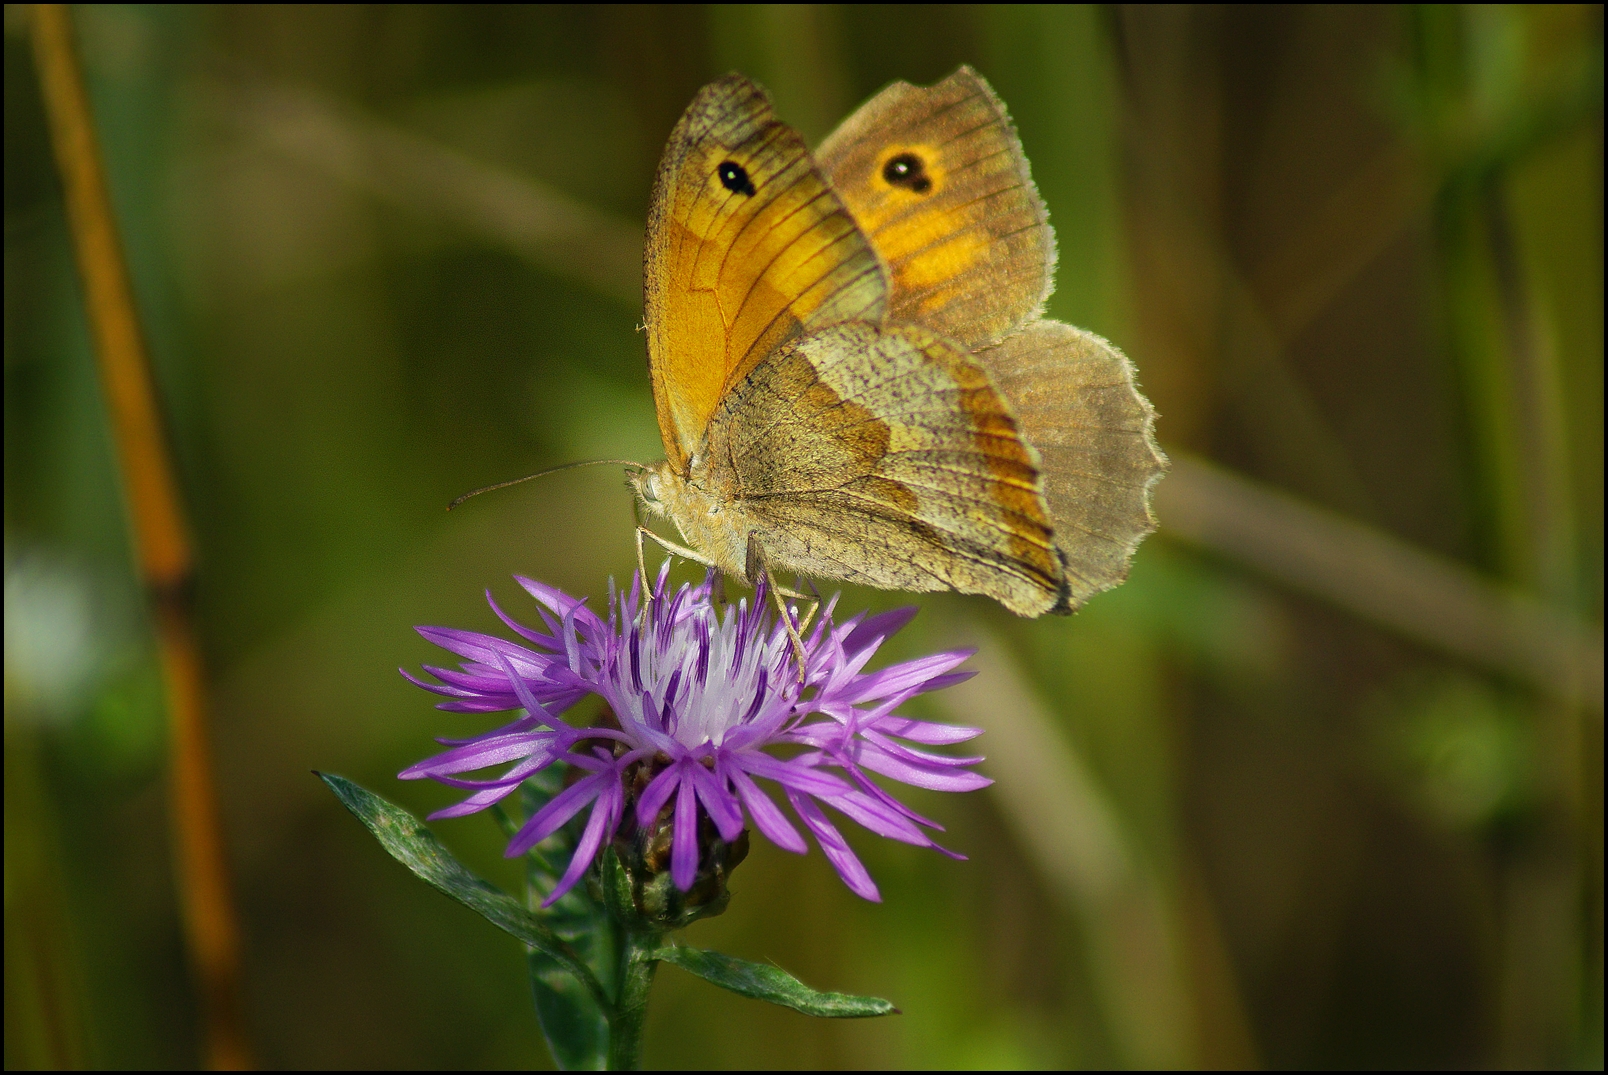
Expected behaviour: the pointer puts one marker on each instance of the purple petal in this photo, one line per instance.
(479, 753)
(478, 647)
(553, 626)
(599, 827)
(572, 649)
(823, 623)
(910, 674)
(634, 597)
(524, 725)
(938, 683)
(514, 774)
(870, 814)
(768, 817)
(522, 690)
(551, 596)
(875, 629)
(634, 648)
(847, 671)
(702, 669)
(433, 688)
(741, 649)
(546, 641)
(896, 749)
(684, 842)
(873, 757)
(721, 805)
(670, 717)
(835, 848)
(476, 802)
(791, 774)
(656, 794)
(565, 805)
(875, 791)
(759, 697)
(928, 732)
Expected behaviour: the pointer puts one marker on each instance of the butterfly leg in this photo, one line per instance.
(642, 567)
(756, 568)
(814, 602)
(670, 547)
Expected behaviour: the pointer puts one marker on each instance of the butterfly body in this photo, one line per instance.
(851, 376)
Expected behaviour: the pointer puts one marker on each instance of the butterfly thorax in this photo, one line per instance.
(707, 519)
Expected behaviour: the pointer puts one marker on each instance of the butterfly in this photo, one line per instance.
(853, 377)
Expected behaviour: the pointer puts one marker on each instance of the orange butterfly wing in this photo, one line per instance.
(936, 178)
(748, 247)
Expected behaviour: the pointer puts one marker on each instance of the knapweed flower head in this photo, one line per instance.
(705, 703)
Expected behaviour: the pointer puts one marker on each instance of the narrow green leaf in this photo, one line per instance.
(576, 1029)
(575, 1025)
(416, 847)
(764, 982)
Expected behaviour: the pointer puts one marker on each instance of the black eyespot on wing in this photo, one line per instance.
(909, 171)
(734, 178)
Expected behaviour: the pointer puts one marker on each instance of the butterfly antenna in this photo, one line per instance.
(543, 473)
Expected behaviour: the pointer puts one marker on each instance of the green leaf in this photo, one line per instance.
(575, 1025)
(763, 982)
(416, 847)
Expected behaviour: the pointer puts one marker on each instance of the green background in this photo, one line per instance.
(1355, 253)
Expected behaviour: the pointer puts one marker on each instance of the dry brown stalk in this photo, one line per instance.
(161, 537)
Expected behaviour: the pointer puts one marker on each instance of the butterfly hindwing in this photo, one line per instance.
(748, 247)
(1077, 402)
(937, 181)
(885, 456)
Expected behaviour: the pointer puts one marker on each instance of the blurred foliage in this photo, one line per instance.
(1355, 253)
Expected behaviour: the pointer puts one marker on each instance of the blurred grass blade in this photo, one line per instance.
(414, 846)
(545, 225)
(1070, 831)
(160, 534)
(45, 1003)
(1434, 601)
(762, 982)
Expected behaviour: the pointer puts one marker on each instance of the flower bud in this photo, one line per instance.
(644, 854)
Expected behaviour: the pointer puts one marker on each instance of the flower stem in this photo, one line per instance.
(636, 979)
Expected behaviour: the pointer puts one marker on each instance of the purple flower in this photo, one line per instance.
(700, 700)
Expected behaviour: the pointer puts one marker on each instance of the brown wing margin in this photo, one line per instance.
(1077, 401)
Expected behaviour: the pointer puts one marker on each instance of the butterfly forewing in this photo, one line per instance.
(747, 247)
(936, 178)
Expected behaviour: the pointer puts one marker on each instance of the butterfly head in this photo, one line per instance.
(656, 486)
(716, 527)
(663, 491)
